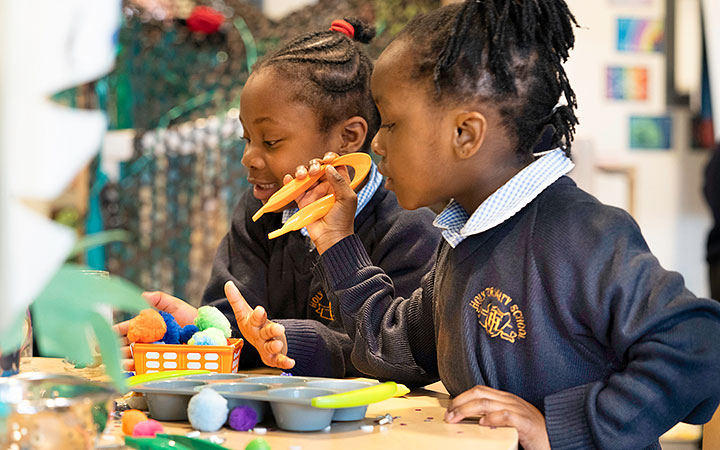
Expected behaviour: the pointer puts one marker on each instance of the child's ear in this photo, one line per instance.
(353, 132)
(470, 132)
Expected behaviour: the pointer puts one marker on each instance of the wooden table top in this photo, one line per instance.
(419, 425)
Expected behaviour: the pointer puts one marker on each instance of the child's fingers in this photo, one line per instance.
(125, 352)
(128, 365)
(471, 401)
(477, 392)
(283, 362)
(287, 178)
(328, 157)
(273, 346)
(271, 330)
(122, 328)
(341, 186)
(237, 302)
(478, 407)
(506, 418)
(301, 172)
(258, 318)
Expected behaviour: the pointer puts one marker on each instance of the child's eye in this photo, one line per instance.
(271, 143)
(246, 139)
(388, 126)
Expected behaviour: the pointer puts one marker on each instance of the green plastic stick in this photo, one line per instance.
(191, 443)
(171, 442)
(144, 378)
(358, 397)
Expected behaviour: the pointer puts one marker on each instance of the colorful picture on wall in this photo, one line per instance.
(627, 83)
(640, 35)
(651, 132)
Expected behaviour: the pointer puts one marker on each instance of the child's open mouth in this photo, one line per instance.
(263, 191)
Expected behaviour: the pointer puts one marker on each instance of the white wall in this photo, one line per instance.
(276, 9)
(668, 202)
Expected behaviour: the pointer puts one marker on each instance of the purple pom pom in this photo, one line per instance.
(172, 335)
(243, 418)
(187, 332)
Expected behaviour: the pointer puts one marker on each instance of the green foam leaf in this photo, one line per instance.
(66, 314)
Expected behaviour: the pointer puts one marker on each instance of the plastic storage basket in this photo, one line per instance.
(151, 358)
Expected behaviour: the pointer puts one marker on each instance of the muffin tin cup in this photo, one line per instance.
(293, 411)
(168, 399)
(230, 390)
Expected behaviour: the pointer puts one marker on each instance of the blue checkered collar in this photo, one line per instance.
(375, 179)
(508, 200)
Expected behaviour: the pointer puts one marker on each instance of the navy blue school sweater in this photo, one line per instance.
(278, 275)
(562, 304)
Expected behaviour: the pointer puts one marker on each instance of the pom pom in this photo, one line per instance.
(172, 335)
(209, 336)
(258, 444)
(130, 418)
(187, 332)
(210, 316)
(207, 410)
(243, 418)
(147, 327)
(205, 20)
(147, 428)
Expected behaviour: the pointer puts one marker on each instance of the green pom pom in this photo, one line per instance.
(211, 317)
(258, 444)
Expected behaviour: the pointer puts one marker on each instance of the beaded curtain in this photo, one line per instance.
(180, 91)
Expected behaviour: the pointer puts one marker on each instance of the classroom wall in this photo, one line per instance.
(668, 203)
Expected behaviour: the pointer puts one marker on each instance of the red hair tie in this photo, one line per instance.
(344, 27)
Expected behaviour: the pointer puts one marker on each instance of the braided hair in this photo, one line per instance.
(330, 73)
(508, 52)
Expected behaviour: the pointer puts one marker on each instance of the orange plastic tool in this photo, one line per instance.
(361, 162)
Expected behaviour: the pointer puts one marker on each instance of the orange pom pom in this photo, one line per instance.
(147, 327)
(130, 418)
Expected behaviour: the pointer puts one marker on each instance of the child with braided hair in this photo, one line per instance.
(545, 310)
(308, 97)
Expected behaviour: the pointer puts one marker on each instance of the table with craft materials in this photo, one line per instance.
(417, 423)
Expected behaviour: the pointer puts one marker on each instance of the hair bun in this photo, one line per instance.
(363, 32)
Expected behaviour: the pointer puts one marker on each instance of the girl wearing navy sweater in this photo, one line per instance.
(309, 96)
(545, 310)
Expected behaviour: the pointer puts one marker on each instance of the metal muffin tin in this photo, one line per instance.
(287, 396)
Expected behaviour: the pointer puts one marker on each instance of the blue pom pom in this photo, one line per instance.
(172, 335)
(187, 332)
(207, 410)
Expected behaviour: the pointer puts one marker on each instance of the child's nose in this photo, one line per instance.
(376, 147)
(252, 158)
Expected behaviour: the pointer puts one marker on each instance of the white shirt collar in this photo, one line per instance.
(507, 201)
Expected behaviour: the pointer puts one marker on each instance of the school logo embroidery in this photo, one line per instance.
(323, 309)
(498, 316)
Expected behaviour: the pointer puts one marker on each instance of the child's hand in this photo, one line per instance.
(183, 312)
(338, 223)
(499, 409)
(266, 336)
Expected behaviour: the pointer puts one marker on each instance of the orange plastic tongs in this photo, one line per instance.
(361, 162)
